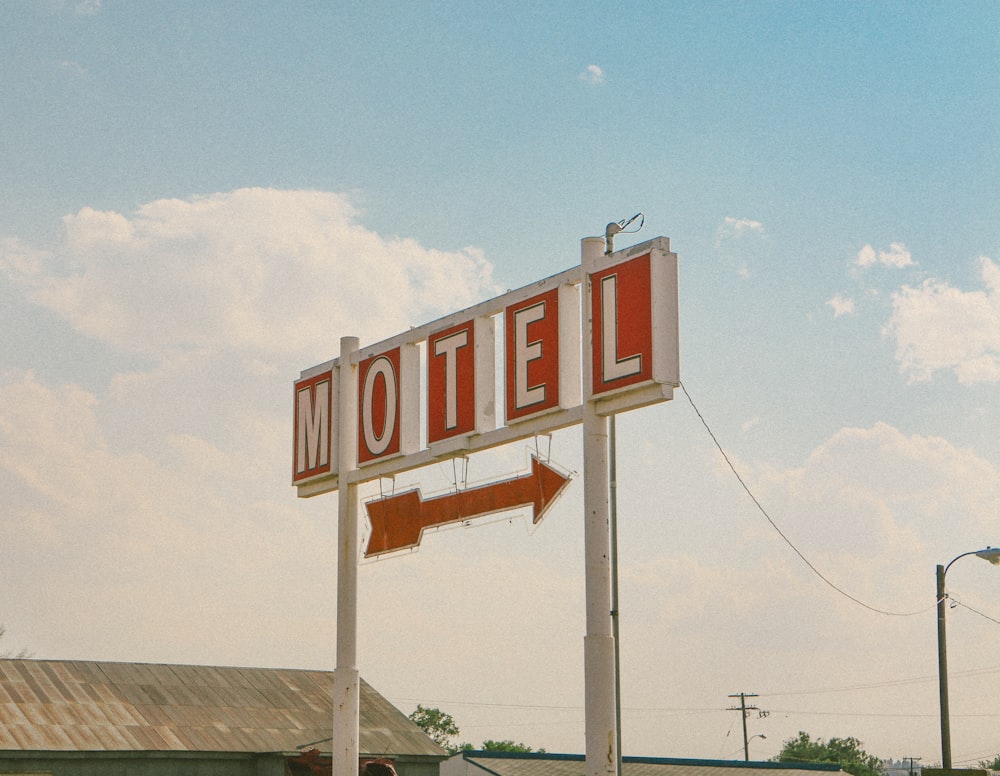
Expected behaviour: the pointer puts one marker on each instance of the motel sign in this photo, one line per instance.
(624, 310)
(575, 348)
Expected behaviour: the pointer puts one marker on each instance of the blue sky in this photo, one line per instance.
(200, 200)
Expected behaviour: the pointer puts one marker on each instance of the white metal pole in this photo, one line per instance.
(346, 678)
(600, 687)
(615, 604)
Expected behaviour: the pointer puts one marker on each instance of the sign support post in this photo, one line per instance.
(346, 677)
(600, 684)
(611, 320)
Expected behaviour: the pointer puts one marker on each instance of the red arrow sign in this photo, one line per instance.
(399, 521)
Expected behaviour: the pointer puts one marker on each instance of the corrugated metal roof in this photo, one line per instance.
(542, 764)
(93, 706)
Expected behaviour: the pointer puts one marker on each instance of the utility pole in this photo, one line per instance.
(912, 759)
(743, 709)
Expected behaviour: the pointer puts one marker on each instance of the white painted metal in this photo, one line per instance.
(598, 644)
(346, 677)
(570, 357)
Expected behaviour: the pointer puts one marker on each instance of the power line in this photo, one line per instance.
(974, 611)
(879, 714)
(760, 508)
(744, 710)
(969, 672)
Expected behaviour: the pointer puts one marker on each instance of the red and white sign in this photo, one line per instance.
(634, 327)
(542, 359)
(460, 380)
(628, 337)
(315, 405)
(387, 408)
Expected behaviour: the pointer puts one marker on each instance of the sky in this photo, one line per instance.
(200, 200)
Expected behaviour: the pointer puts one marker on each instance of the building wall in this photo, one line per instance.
(406, 768)
(139, 764)
(165, 764)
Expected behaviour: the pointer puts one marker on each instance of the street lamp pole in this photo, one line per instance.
(943, 671)
(992, 554)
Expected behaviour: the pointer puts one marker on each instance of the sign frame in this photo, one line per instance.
(569, 282)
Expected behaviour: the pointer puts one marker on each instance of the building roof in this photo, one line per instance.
(55, 705)
(480, 763)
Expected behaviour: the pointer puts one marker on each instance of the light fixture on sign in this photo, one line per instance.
(618, 227)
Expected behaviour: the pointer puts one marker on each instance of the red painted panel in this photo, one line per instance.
(621, 306)
(532, 355)
(451, 382)
(313, 427)
(379, 391)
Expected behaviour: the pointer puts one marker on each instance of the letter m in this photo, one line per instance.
(313, 426)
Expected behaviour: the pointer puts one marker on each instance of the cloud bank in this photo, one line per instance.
(167, 470)
(938, 327)
(253, 269)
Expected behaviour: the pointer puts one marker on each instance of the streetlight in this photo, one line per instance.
(755, 735)
(992, 554)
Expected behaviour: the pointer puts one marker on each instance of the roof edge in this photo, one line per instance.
(768, 764)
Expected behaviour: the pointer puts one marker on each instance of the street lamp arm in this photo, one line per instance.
(963, 555)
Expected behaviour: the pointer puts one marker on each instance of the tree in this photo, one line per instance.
(992, 765)
(506, 746)
(846, 752)
(438, 725)
(441, 726)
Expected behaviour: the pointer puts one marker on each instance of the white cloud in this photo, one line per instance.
(939, 327)
(841, 305)
(897, 256)
(735, 227)
(866, 257)
(869, 493)
(102, 522)
(253, 269)
(732, 239)
(171, 475)
(593, 74)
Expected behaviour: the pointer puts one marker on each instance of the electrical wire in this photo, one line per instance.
(883, 685)
(880, 715)
(760, 508)
(974, 611)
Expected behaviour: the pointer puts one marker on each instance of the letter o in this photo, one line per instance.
(376, 442)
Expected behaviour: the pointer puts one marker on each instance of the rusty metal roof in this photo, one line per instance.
(48, 705)
(547, 764)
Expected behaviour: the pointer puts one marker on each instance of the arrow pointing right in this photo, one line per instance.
(398, 521)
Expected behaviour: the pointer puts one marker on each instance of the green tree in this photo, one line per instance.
(993, 765)
(499, 746)
(438, 725)
(506, 746)
(846, 752)
(441, 726)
